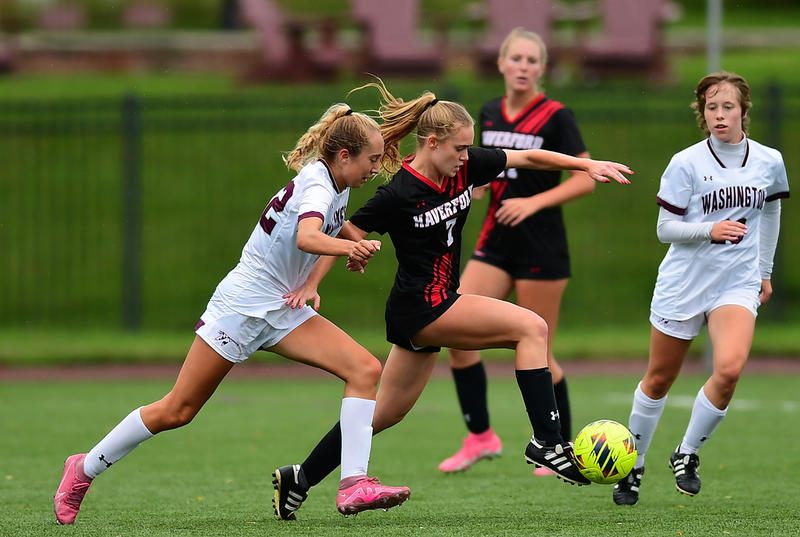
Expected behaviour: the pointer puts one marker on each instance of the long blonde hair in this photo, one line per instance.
(338, 128)
(426, 114)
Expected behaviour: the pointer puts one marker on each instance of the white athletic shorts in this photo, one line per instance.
(236, 337)
(689, 328)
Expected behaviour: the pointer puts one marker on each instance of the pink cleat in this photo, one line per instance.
(542, 471)
(360, 493)
(72, 489)
(485, 445)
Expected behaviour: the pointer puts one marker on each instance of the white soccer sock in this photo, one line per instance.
(645, 414)
(704, 421)
(122, 439)
(356, 423)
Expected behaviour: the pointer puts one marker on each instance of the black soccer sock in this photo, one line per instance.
(536, 386)
(325, 457)
(471, 390)
(562, 402)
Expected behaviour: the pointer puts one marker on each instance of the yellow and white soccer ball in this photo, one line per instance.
(605, 451)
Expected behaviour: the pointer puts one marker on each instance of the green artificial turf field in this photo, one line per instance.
(213, 477)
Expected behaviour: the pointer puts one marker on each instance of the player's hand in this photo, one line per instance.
(603, 171)
(479, 192)
(514, 210)
(299, 297)
(766, 291)
(354, 265)
(728, 230)
(364, 249)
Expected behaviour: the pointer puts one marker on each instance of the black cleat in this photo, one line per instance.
(559, 459)
(626, 492)
(291, 490)
(684, 466)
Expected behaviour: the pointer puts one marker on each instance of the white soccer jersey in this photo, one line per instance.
(271, 264)
(698, 186)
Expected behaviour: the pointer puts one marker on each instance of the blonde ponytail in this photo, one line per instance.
(338, 128)
(426, 114)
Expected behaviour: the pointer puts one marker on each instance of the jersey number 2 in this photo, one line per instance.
(276, 205)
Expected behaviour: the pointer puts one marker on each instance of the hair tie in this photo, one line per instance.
(432, 103)
(349, 111)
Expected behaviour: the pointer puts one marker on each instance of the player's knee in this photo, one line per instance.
(534, 327)
(656, 385)
(460, 359)
(728, 374)
(363, 375)
(171, 415)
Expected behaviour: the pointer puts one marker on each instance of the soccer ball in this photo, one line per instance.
(605, 451)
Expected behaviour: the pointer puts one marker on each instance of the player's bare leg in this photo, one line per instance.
(469, 374)
(730, 330)
(320, 343)
(477, 322)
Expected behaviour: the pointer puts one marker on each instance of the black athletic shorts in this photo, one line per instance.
(551, 266)
(402, 325)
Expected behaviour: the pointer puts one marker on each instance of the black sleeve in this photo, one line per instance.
(377, 214)
(484, 164)
(568, 137)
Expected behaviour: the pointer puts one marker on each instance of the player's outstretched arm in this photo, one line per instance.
(540, 159)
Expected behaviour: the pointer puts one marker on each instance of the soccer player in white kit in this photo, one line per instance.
(720, 212)
(261, 304)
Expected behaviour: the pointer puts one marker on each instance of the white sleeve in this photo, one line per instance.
(672, 228)
(768, 237)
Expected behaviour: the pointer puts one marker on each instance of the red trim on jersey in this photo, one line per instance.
(459, 182)
(536, 100)
(436, 291)
(415, 173)
(538, 118)
(311, 214)
(491, 219)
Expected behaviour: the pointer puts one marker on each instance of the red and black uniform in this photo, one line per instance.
(425, 223)
(536, 248)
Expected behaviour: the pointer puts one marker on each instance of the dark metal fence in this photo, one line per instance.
(126, 213)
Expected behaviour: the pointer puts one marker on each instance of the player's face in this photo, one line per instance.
(358, 169)
(521, 66)
(723, 112)
(451, 152)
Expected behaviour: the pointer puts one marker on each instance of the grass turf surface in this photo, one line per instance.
(213, 477)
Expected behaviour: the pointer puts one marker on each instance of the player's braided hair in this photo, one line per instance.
(737, 81)
(426, 114)
(338, 128)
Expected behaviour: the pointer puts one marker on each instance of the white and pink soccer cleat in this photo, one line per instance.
(361, 493)
(73, 487)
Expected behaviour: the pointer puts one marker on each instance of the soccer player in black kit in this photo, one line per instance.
(523, 242)
(423, 209)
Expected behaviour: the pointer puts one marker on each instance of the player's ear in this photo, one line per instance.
(344, 155)
(500, 65)
(432, 141)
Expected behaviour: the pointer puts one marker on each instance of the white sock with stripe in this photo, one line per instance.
(356, 423)
(122, 439)
(645, 414)
(704, 421)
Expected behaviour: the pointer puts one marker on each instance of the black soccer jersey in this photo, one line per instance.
(425, 223)
(544, 124)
